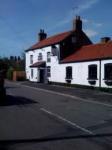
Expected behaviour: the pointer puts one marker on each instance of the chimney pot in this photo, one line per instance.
(77, 23)
(42, 35)
(105, 39)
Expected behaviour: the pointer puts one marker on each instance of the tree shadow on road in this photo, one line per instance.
(2, 147)
(15, 100)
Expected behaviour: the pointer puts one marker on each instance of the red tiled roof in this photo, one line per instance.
(91, 52)
(50, 41)
(38, 64)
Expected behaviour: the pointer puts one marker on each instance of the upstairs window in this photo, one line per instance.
(108, 71)
(48, 71)
(40, 57)
(48, 57)
(73, 39)
(92, 72)
(31, 59)
(69, 72)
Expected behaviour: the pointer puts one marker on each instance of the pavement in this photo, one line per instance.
(37, 116)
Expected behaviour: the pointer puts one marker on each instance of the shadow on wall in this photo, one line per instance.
(15, 100)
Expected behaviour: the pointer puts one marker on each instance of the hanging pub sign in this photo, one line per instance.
(54, 51)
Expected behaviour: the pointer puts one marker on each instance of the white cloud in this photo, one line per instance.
(86, 5)
(76, 10)
(91, 22)
(98, 24)
(90, 32)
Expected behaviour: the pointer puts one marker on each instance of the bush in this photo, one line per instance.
(10, 73)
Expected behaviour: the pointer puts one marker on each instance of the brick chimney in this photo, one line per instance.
(105, 39)
(77, 23)
(42, 35)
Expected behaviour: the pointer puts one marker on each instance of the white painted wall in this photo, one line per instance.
(34, 79)
(35, 54)
(58, 71)
(79, 70)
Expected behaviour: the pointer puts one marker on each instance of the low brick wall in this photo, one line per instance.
(19, 75)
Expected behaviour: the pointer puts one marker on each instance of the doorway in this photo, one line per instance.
(42, 76)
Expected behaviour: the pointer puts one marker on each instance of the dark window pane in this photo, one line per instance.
(40, 57)
(68, 72)
(48, 57)
(92, 72)
(73, 39)
(31, 59)
(108, 71)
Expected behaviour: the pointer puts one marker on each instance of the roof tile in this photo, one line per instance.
(91, 52)
(50, 41)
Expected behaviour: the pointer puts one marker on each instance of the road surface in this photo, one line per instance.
(31, 113)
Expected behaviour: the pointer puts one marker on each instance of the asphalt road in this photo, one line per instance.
(32, 114)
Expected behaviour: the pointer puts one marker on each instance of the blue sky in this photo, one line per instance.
(21, 20)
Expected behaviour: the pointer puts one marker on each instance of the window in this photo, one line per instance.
(69, 72)
(31, 73)
(48, 57)
(108, 71)
(92, 72)
(48, 71)
(40, 57)
(73, 39)
(31, 59)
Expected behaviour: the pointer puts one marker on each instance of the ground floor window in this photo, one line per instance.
(31, 73)
(108, 71)
(92, 72)
(48, 71)
(69, 72)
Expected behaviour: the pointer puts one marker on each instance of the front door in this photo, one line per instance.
(42, 75)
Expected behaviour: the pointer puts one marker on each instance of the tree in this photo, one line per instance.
(19, 58)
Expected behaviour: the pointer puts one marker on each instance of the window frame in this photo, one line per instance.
(40, 57)
(48, 56)
(69, 73)
(73, 39)
(92, 74)
(107, 75)
(31, 59)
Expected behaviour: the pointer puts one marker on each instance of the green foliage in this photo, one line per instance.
(13, 63)
(10, 73)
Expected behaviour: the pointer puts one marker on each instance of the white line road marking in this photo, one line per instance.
(65, 95)
(65, 120)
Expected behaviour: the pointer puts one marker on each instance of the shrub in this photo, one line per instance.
(10, 73)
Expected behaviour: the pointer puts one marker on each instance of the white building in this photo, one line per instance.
(70, 57)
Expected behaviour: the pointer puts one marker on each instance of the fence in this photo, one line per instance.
(19, 75)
